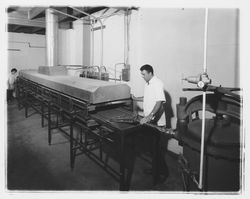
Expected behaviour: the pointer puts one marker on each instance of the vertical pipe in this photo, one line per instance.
(101, 59)
(205, 43)
(202, 139)
(125, 37)
(49, 123)
(128, 27)
(203, 105)
(115, 68)
(51, 38)
(92, 43)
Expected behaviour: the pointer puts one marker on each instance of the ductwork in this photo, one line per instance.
(51, 38)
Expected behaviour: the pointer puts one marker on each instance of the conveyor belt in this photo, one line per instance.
(104, 116)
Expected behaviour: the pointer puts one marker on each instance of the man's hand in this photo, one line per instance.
(146, 119)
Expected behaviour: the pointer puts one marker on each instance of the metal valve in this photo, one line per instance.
(201, 80)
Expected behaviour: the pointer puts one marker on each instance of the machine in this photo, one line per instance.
(222, 141)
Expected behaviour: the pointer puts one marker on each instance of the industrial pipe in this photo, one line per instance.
(63, 13)
(126, 37)
(203, 105)
(115, 68)
(92, 44)
(29, 44)
(101, 52)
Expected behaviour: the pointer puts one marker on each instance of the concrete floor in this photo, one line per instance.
(34, 165)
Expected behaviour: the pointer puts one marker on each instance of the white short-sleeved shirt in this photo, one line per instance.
(154, 92)
(11, 80)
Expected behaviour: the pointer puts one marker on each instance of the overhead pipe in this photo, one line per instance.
(25, 19)
(14, 49)
(107, 16)
(112, 14)
(29, 44)
(101, 51)
(63, 13)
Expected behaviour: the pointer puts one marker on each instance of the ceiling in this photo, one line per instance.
(31, 20)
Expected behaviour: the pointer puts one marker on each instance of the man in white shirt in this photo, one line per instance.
(154, 97)
(153, 106)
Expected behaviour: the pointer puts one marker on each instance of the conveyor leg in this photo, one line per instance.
(71, 145)
(123, 186)
(42, 111)
(26, 105)
(49, 123)
(18, 98)
(156, 158)
(81, 132)
(100, 141)
(86, 139)
(57, 119)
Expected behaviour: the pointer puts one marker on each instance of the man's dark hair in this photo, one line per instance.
(148, 68)
(13, 70)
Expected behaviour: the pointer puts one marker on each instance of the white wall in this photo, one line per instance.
(27, 57)
(223, 47)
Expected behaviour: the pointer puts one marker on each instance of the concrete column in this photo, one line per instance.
(51, 38)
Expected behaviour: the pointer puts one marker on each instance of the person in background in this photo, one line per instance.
(154, 112)
(11, 84)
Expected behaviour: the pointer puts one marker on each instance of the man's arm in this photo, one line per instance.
(140, 99)
(149, 117)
